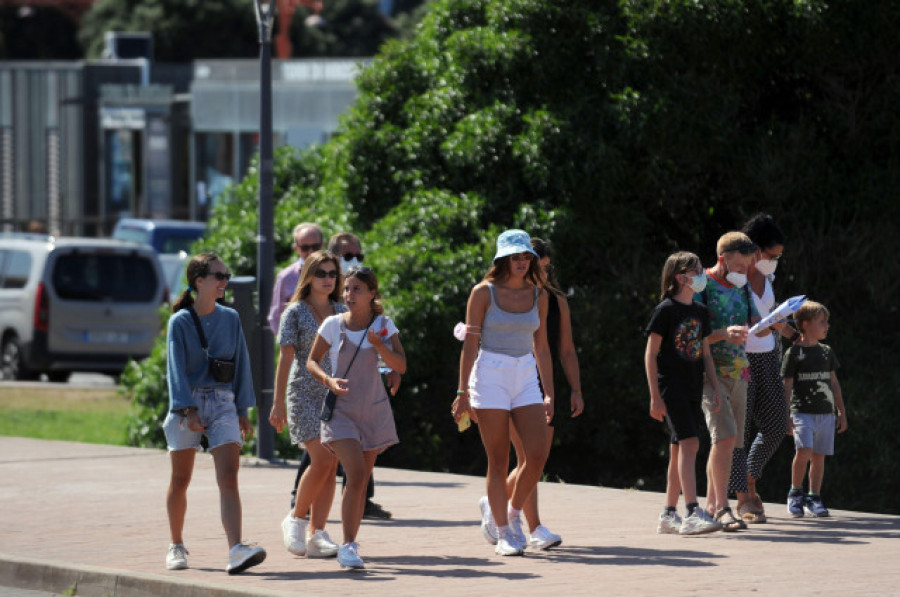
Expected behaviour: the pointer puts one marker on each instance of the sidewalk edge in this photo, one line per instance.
(88, 581)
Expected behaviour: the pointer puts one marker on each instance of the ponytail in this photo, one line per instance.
(183, 302)
(197, 267)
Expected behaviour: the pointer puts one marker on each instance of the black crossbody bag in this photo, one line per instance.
(222, 370)
(331, 397)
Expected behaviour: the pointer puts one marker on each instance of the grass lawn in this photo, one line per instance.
(56, 412)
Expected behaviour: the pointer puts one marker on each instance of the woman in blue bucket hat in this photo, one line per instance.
(505, 348)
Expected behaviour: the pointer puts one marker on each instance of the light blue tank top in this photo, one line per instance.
(509, 333)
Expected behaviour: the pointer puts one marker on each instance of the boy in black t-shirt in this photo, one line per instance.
(812, 390)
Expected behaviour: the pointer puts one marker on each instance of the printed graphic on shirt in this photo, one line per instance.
(728, 306)
(810, 367)
(688, 339)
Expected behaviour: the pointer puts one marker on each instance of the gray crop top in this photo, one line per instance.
(509, 333)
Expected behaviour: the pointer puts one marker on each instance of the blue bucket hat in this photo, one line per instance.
(511, 242)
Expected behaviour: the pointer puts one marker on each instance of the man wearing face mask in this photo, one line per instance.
(347, 247)
(731, 312)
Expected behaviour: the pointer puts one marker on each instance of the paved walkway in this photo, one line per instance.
(93, 517)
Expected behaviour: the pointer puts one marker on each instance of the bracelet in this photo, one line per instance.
(325, 381)
(460, 392)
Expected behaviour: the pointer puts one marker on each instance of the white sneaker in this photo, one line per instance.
(320, 545)
(294, 532)
(515, 527)
(698, 523)
(176, 559)
(348, 556)
(542, 538)
(488, 526)
(243, 556)
(507, 546)
(669, 523)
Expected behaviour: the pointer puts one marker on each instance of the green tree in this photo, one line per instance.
(37, 33)
(622, 131)
(182, 29)
(344, 28)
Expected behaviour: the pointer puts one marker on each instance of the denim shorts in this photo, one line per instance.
(814, 431)
(217, 412)
(503, 382)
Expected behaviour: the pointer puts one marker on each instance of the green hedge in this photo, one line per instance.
(622, 131)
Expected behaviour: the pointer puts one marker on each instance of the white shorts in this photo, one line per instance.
(503, 382)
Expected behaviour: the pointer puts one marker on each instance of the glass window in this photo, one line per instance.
(215, 168)
(123, 159)
(98, 277)
(17, 270)
(134, 235)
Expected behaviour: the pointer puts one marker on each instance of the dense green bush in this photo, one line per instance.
(622, 131)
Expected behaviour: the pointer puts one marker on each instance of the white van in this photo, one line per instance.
(76, 304)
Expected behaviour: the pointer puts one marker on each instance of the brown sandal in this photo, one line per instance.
(751, 511)
(759, 510)
(730, 524)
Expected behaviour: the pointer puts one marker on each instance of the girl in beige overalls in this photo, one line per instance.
(362, 425)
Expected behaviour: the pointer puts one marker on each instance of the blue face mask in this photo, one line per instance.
(698, 282)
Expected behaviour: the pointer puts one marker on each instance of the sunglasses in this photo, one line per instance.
(308, 248)
(349, 256)
(521, 257)
(320, 273)
(220, 276)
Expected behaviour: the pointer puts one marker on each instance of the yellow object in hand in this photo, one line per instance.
(464, 422)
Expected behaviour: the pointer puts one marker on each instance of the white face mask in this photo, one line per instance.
(348, 264)
(737, 279)
(766, 266)
(698, 282)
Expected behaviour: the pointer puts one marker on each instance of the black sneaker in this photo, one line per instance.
(374, 510)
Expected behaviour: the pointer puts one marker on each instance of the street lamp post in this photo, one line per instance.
(265, 261)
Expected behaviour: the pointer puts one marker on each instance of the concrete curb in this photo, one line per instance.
(93, 581)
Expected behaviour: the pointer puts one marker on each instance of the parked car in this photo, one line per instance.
(76, 304)
(172, 240)
(166, 236)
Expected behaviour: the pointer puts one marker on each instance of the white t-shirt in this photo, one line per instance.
(764, 305)
(330, 330)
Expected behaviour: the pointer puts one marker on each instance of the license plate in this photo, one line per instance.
(106, 337)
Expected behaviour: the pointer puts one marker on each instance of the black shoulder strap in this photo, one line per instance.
(196, 319)
(749, 302)
(350, 364)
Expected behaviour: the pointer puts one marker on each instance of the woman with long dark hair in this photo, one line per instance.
(210, 391)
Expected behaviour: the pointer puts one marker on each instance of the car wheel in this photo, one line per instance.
(11, 365)
(59, 376)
